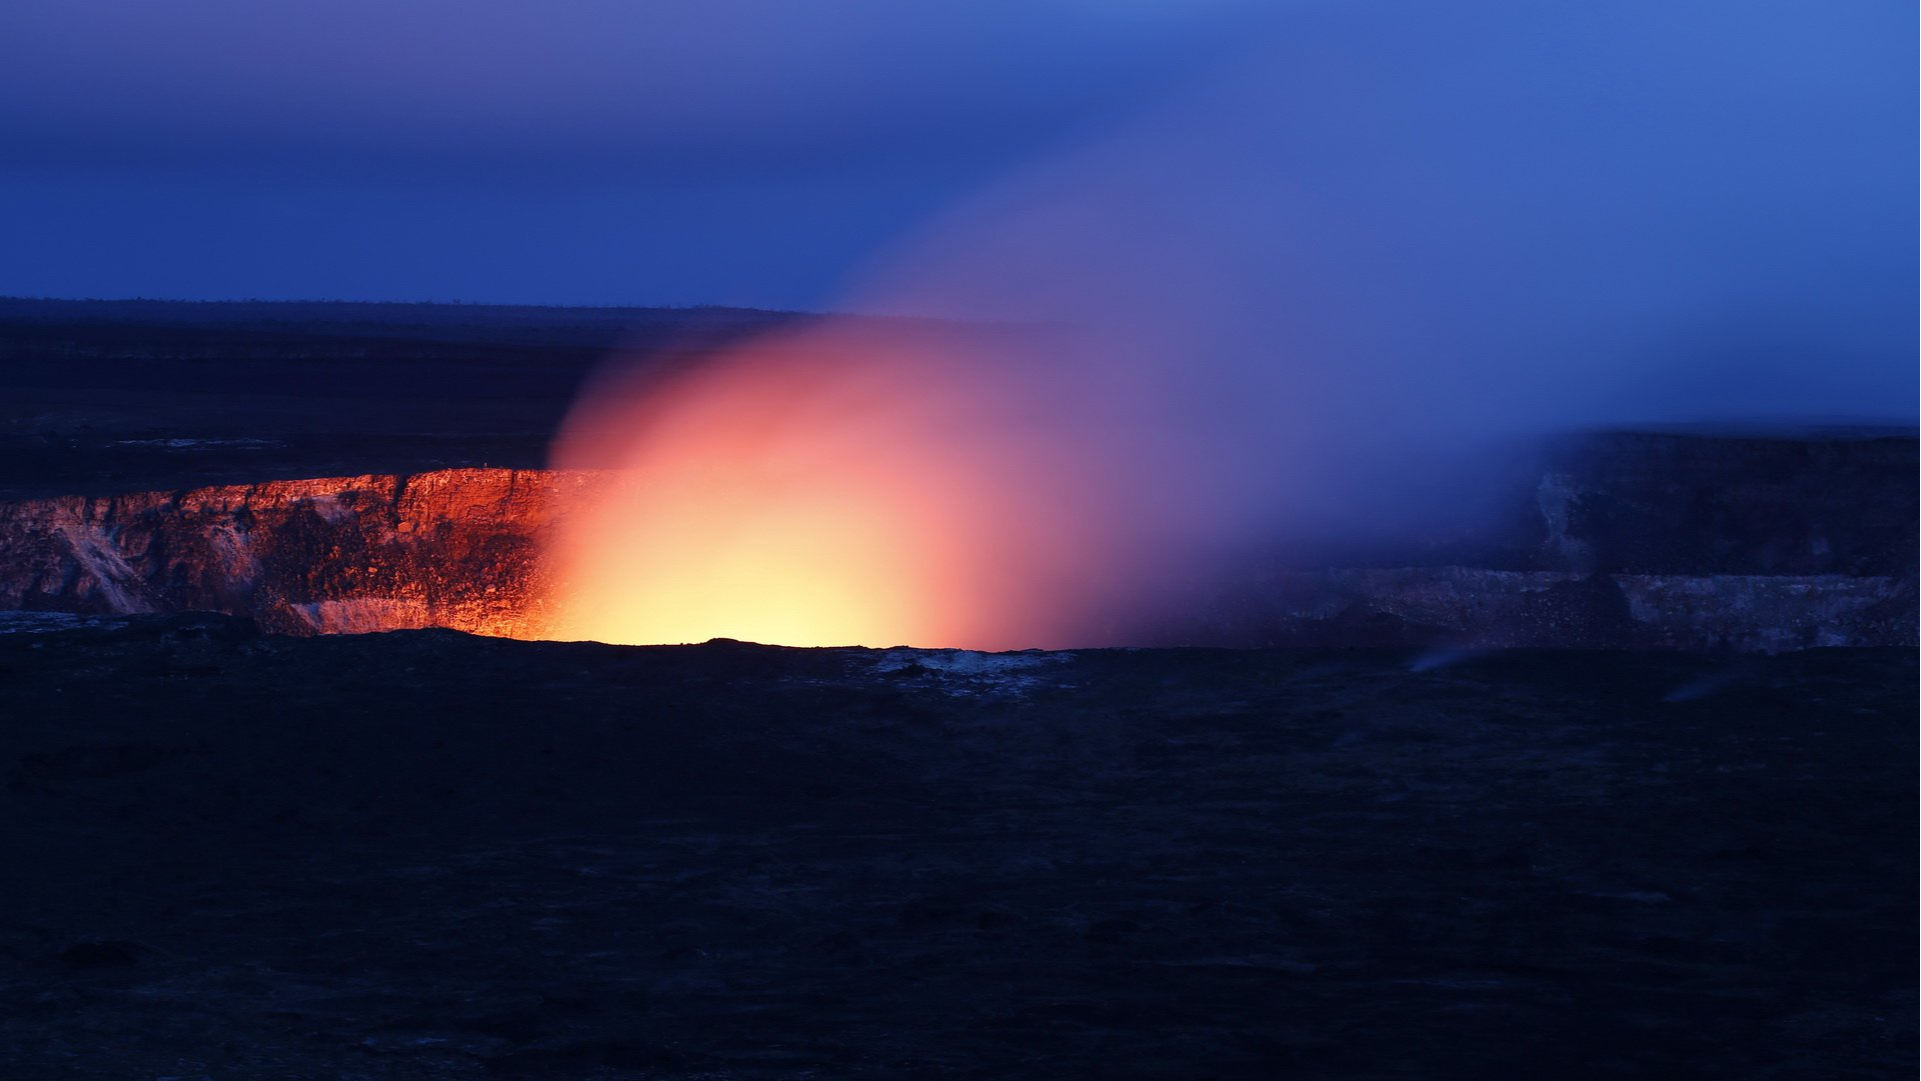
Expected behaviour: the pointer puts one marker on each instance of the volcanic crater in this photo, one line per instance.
(241, 844)
(1745, 541)
(1783, 545)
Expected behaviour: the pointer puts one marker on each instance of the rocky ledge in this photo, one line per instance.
(457, 548)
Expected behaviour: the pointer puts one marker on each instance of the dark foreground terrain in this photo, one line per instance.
(426, 855)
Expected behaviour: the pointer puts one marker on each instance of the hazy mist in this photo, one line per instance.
(1307, 297)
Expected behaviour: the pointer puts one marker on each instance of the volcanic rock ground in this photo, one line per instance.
(427, 855)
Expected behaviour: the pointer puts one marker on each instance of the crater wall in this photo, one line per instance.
(1624, 541)
(456, 548)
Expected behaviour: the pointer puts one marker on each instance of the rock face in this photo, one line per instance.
(1627, 540)
(1672, 503)
(1630, 541)
(457, 548)
(1478, 608)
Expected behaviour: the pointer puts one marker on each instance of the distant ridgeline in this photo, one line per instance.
(460, 350)
(536, 321)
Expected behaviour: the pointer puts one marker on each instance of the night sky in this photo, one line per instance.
(726, 151)
(1727, 177)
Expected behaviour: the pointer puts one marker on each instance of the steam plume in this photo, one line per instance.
(1272, 307)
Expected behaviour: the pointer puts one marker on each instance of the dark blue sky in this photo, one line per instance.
(760, 152)
(729, 151)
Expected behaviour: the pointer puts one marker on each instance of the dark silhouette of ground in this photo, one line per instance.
(425, 855)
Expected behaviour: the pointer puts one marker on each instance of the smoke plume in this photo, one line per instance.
(1296, 300)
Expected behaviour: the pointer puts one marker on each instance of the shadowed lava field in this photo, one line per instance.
(426, 855)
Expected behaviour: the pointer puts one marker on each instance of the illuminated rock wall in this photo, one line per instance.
(457, 548)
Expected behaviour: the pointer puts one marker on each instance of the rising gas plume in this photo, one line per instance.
(861, 482)
(1289, 302)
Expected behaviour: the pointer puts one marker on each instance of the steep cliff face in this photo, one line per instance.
(456, 548)
(1679, 503)
(1480, 608)
(1639, 542)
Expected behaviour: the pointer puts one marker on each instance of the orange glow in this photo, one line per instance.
(846, 486)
